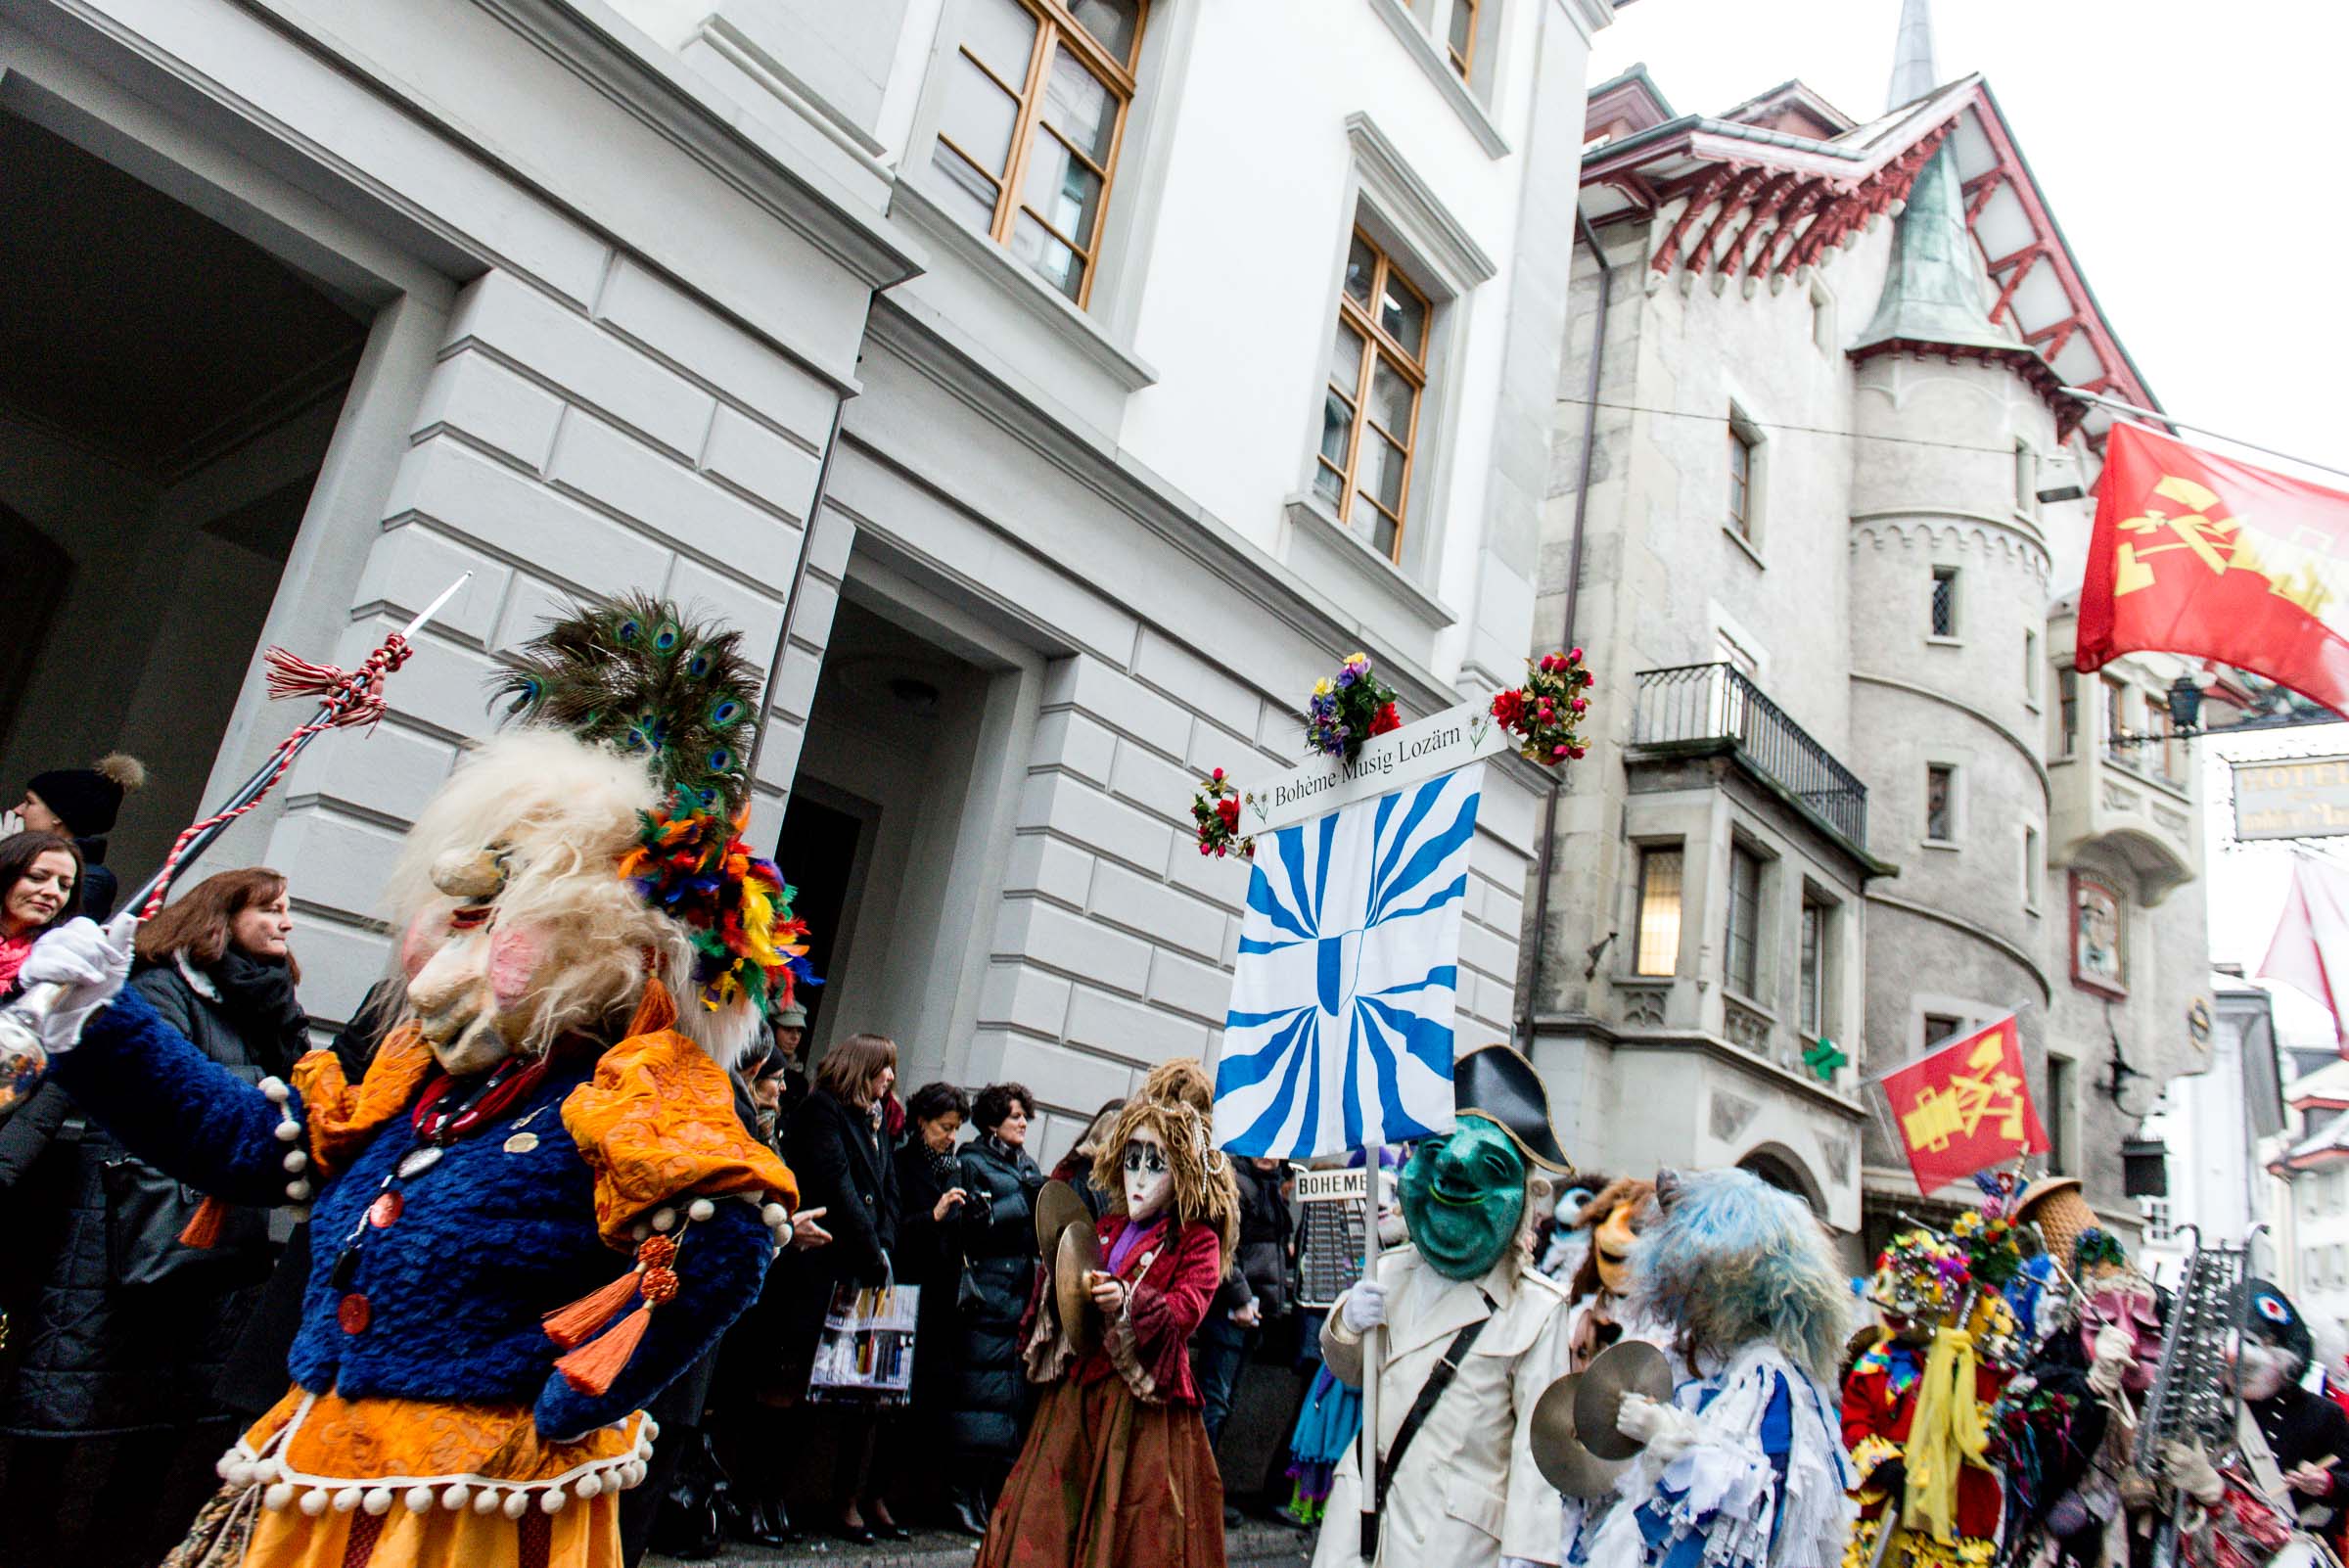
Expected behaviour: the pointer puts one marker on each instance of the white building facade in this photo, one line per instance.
(1050, 390)
(1849, 790)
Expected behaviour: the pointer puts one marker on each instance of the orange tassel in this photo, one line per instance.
(204, 1225)
(591, 1368)
(572, 1326)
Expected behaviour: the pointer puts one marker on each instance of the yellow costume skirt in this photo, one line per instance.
(410, 1484)
(1914, 1549)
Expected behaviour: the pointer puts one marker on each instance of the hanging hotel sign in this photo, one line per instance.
(2292, 798)
(1395, 761)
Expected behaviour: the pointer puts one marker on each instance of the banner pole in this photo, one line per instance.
(1375, 1343)
(2117, 406)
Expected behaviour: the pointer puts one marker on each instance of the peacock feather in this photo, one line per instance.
(638, 676)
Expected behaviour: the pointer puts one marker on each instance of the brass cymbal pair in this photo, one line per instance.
(1066, 1243)
(1575, 1441)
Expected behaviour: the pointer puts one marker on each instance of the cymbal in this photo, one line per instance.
(1077, 1255)
(1055, 1206)
(1627, 1366)
(1560, 1457)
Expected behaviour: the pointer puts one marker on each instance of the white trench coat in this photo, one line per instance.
(1467, 1494)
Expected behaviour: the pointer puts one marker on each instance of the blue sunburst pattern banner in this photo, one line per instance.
(1340, 1033)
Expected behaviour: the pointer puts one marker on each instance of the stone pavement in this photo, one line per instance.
(1255, 1543)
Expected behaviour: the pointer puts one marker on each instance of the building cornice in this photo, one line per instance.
(1700, 1043)
(1982, 934)
(2039, 768)
(1939, 522)
(1392, 178)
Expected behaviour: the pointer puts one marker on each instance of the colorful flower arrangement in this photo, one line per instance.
(1921, 1276)
(1216, 807)
(693, 865)
(1990, 1246)
(1545, 713)
(1347, 708)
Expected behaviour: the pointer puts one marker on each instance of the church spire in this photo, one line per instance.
(1912, 72)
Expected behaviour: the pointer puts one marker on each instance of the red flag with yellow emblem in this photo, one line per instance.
(2198, 554)
(1965, 1108)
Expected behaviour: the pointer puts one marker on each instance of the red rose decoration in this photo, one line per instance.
(1387, 719)
(1229, 810)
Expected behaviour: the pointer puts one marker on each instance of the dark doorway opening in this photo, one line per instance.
(817, 853)
(167, 394)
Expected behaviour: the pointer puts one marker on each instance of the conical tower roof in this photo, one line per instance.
(1912, 71)
(1932, 289)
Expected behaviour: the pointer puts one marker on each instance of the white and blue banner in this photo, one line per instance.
(1340, 1034)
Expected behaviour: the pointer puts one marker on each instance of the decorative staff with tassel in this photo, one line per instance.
(346, 700)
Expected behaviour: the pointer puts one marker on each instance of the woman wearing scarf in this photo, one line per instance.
(40, 886)
(112, 1416)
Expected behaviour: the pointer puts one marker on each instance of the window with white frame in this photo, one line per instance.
(1458, 34)
(1818, 915)
(2031, 669)
(1370, 407)
(1942, 617)
(1941, 803)
(1745, 475)
(2156, 1214)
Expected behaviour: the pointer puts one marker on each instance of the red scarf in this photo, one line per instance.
(13, 952)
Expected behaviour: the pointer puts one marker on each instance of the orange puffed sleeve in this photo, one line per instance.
(657, 1126)
(343, 1116)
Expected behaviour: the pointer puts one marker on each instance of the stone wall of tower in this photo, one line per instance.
(1935, 487)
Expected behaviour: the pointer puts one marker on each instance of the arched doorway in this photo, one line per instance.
(1782, 1170)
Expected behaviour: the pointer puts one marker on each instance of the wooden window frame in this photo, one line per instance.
(1463, 66)
(1378, 343)
(1055, 23)
(1741, 483)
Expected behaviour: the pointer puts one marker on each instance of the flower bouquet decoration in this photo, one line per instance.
(1216, 808)
(1347, 708)
(1545, 713)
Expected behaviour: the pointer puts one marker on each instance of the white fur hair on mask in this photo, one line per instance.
(562, 812)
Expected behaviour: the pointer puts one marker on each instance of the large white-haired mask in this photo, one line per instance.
(568, 862)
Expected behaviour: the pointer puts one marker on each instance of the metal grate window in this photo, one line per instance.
(1945, 601)
(1745, 920)
(1659, 950)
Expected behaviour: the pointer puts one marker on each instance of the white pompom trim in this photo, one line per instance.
(699, 1209)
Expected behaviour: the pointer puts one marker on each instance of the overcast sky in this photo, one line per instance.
(2176, 143)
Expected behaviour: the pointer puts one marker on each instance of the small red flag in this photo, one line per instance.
(2195, 553)
(1965, 1108)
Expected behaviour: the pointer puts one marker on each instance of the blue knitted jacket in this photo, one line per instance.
(500, 1231)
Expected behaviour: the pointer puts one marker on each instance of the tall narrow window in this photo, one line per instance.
(2031, 668)
(1814, 967)
(1945, 602)
(1460, 46)
(2067, 705)
(1741, 483)
(1941, 803)
(2116, 728)
(2026, 479)
(1370, 408)
(1659, 949)
(1745, 920)
(1029, 138)
(2059, 1117)
(2034, 866)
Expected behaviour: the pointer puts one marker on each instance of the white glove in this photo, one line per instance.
(1364, 1306)
(1666, 1429)
(2115, 1351)
(2187, 1467)
(11, 824)
(90, 962)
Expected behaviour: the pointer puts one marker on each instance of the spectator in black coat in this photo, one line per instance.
(112, 1417)
(928, 1254)
(1252, 1297)
(991, 1398)
(833, 1145)
(1075, 1166)
(80, 803)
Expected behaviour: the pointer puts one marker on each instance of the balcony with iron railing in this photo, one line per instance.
(1696, 708)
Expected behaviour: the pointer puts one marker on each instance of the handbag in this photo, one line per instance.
(968, 1297)
(146, 1209)
(865, 1351)
(222, 1529)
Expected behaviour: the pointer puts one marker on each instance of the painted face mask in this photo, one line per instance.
(1463, 1196)
(1611, 1244)
(1148, 1180)
(2130, 1306)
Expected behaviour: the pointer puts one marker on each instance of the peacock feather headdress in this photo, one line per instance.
(638, 676)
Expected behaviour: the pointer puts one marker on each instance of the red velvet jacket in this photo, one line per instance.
(1879, 1400)
(1170, 1276)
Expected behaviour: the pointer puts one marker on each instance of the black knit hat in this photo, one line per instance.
(87, 798)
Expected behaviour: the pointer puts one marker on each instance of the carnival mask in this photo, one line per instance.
(2118, 1302)
(1464, 1197)
(1147, 1175)
(2259, 1369)
(1611, 1244)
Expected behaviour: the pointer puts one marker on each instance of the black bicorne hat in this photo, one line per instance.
(2270, 1314)
(1497, 1083)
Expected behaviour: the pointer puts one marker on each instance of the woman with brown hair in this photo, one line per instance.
(40, 886)
(835, 1149)
(112, 1416)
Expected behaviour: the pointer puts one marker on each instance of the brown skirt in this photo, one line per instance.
(1105, 1481)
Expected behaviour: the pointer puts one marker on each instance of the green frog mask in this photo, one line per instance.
(1464, 1197)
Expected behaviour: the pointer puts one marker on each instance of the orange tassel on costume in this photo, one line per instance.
(591, 1368)
(204, 1225)
(570, 1326)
